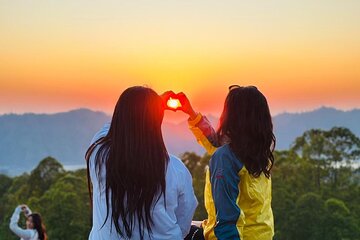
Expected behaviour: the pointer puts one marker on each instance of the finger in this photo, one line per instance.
(180, 108)
(167, 94)
(171, 109)
(180, 95)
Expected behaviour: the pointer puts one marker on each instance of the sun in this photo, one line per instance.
(173, 103)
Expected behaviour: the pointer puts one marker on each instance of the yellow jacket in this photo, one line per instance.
(238, 204)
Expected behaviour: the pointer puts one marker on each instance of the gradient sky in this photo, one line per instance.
(60, 55)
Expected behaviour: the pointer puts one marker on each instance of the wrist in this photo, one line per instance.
(192, 114)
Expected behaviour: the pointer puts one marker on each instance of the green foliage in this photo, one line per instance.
(328, 151)
(60, 197)
(5, 184)
(309, 212)
(316, 190)
(338, 222)
(43, 176)
(64, 203)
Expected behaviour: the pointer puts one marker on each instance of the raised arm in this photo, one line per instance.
(14, 227)
(200, 126)
(204, 133)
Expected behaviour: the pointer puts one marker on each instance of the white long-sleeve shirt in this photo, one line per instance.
(172, 222)
(24, 234)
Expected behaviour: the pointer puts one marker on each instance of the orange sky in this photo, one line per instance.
(57, 56)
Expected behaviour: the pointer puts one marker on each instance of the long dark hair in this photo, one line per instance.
(38, 225)
(135, 158)
(246, 123)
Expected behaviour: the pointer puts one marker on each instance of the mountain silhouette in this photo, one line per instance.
(28, 138)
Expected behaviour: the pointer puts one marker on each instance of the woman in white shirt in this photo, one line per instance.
(35, 230)
(138, 190)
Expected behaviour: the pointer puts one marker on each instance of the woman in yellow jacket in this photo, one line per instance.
(238, 180)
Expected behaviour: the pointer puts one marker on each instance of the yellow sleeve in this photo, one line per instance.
(204, 133)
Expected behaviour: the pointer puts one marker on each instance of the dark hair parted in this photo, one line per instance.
(135, 157)
(38, 225)
(246, 123)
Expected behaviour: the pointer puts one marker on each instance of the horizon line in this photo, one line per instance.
(208, 113)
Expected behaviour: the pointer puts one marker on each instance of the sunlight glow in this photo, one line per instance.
(173, 103)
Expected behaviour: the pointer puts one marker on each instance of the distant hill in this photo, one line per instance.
(288, 126)
(28, 138)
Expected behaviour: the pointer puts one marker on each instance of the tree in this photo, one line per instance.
(306, 220)
(44, 175)
(328, 151)
(66, 209)
(5, 183)
(338, 222)
(317, 166)
(60, 197)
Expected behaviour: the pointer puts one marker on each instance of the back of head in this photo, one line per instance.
(38, 225)
(141, 110)
(135, 158)
(246, 122)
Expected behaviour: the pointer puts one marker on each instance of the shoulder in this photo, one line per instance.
(224, 157)
(176, 168)
(223, 150)
(177, 174)
(176, 164)
(101, 133)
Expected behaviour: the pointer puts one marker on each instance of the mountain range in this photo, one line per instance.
(28, 138)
